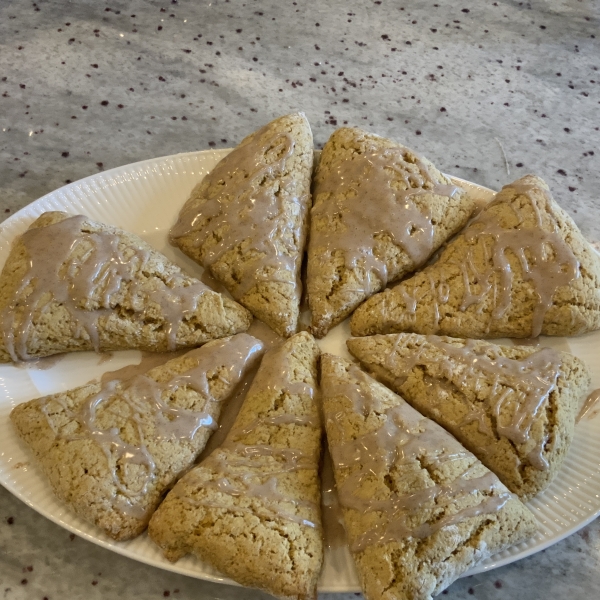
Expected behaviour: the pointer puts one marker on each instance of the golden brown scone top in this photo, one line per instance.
(246, 221)
(380, 210)
(252, 508)
(72, 284)
(418, 508)
(520, 269)
(110, 450)
(513, 407)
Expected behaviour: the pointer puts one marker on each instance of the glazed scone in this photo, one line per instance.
(380, 211)
(520, 269)
(72, 284)
(512, 407)
(110, 451)
(251, 509)
(419, 509)
(246, 221)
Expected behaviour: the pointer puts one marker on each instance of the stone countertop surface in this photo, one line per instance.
(489, 91)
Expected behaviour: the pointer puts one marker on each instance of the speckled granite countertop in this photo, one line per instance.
(488, 90)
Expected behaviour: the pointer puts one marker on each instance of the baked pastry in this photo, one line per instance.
(246, 221)
(72, 284)
(520, 269)
(251, 509)
(261, 487)
(513, 407)
(380, 211)
(111, 451)
(418, 508)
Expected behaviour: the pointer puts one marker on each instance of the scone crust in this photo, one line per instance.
(53, 330)
(574, 308)
(435, 385)
(413, 567)
(79, 470)
(273, 294)
(243, 536)
(334, 288)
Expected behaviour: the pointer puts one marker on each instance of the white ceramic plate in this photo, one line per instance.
(145, 198)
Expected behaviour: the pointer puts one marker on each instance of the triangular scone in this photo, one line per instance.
(110, 451)
(73, 284)
(380, 212)
(419, 509)
(246, 221)
(520, 269)
(251, 509)
(513, 407)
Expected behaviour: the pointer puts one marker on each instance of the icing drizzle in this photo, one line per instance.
(546, 260)
(86, 273)
(152, 414)
(518, 388)
(239, 468)
(402, 438)
(268, 218)
(365, 205)
(590, 407)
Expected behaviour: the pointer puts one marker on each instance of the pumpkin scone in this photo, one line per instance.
(520, 269)
(251, 509)
(380, 211)
(72, 284)
(419, 509)
(246, 221)
(513, 407)
(110, 451)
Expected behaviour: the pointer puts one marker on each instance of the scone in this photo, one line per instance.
(380, 212)
(418, 508)
(251, 509)
(246, 221)
(72, 284)
(111, 451)
(520, 269)
(513, 407)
